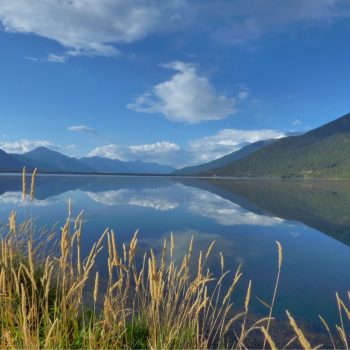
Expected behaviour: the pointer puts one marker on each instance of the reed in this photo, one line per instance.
(159, 304)
(32, 185)
(24, 183)
(301, 337)
(270, 307)
(55, 298)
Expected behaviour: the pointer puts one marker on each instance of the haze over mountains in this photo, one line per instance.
(47, 160)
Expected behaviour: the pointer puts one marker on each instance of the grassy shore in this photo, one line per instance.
(54, 298)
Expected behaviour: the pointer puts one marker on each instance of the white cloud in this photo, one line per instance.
(226, 141)
(186, 97)
(82, 129)
(23, 146)
(57, 58)
(97, 27)
(30, 58)
(243, 95)
(160, 152)
(111, 151)
(296, 122)
(89, 27)
(158, 147)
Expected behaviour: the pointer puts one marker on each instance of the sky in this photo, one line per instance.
(177, 82)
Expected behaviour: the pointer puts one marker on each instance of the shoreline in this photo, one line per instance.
(174, 176)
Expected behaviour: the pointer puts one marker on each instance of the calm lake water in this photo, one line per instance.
(311, 219)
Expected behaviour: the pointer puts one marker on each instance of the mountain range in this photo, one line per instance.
(320, 153)
(47, 160)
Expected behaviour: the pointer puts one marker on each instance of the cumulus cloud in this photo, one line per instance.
(160, 152)
(82, 129)
(89, 27)
(187, 97)
(23, 146)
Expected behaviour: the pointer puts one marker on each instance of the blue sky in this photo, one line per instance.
(177, 82)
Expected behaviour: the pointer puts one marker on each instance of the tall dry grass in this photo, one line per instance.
(52, 299)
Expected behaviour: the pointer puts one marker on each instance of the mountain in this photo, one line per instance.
(149, 168)
(319, 153)
(8, 162)
(30, 163)
(48, 160)
(220, 162)
(105, 165)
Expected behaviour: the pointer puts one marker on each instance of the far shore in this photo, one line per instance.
(46, 173)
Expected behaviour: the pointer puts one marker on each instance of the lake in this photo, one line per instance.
(311, 219)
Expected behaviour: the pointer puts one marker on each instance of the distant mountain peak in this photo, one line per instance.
(42, 149)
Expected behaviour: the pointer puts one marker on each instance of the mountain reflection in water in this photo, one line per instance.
(311, 219)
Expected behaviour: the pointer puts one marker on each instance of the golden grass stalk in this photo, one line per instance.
(24, 183)
(268, 338)
(328, 330)
(301, 337)
(12, 222)
(96, 287)
(341, 330)
(32, 185)
(280, 257)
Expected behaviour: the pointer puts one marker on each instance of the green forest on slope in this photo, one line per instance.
(321, 153)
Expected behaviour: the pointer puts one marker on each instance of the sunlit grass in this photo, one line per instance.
(55, 298)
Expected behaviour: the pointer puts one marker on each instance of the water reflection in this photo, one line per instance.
(323, 205)
(158, 199)
(245, 218)
(195, 201)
